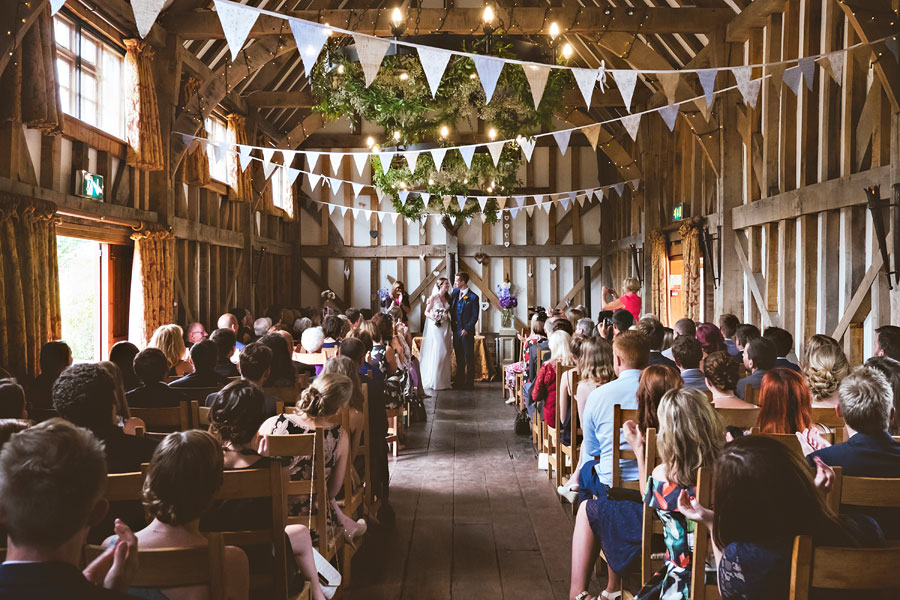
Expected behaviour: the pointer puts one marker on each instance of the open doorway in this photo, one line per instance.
(80, 296)
(676, 290)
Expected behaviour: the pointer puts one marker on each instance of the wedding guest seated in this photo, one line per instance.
(784, 344)
(85, 395)
(721, 373)
(759, 357)
(194, 334)
(184, 475)
(890, 368)
(688, 353)
(55, 357)
(728, 325)
(535, 336)
(224, 339)
(552, 324)
(311, 341)
(168, 338)
(622, 320)
(407, 366)
(261, 326)
(654, 331)
(282, 372)
(683, 327)
(630, 352)
(629, 301)
(886, 342)
(231, 322)
(151, 366)
(824, 366)
(544, 393)
(245, 333)
(256, 363)
(354, 316)
(235, 418)
(52, 480)
(585, 327)
(332, 328)
(753, 526)
(301, 325)
(128, 423)
(866, 403)
(204, 356)
(12, 400)
(785, 404)
(668, 340)
(574, 314)
(742, 337)
(690, 437)
(344, 365)
(710, 338)
(655, 381)
(123, 353)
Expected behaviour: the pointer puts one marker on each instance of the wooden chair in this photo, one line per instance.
(537, 420)
(565, 470)
(197, 393)
(123, 487)
(285, 397)
(315, 359)
(700, 590)
(751, 395)
(651, 526)
(162, 421)
(833, 568)
(867, 492)
(829, 422)
(357, 496)
(551, 433)
(395, 428)
(744, 418)
(620, 415)
(199, 415)
(330, 352)
(177, 567)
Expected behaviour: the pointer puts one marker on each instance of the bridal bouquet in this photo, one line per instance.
(439, 314)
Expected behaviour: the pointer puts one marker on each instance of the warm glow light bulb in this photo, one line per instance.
(445, 131)
(370, 142)
(430, 181)
(396, 136)
(488, 15)
(567, 51)
(340, 69)
(397, 17)
(473, 76)
(376, 148)
(554, 30)
(492, 133)
(404, 76)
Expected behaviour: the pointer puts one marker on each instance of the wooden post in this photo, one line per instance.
(730, 293)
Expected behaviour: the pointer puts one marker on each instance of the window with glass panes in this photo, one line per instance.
(217, 131)
(90, 77)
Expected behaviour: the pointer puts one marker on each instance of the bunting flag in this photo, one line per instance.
(620, 189)
(394, 218)
(310, 39)
(707, 79)
(592, 134)
(331, 208)
(539, 199)
(489, 69)
(529, 210)
(360, 159)
(268, 169)
(807, 66)
(836, 62)
(792, 77)
(292, 175)
(461, 200)
(437, 155)
(335, 185)
(403, 195)
(357, 188)
(564, 202)
(669, 83)
(343, 210)
(219, 152)
(749, 88)
(55, 5)
(599, 194)
(425, 196)
(447, 200)
(562, 140)
(520, 201)
(496, 149)
(268, 165)
(355, 214)
(635, 184)
(580, 199)
(631, 124)
(145, 13)
(777, 72)
(335, 159)
(370, 50)
(537, 78)
(527, 146)
(387, 157)
(312, 158)
(412, 157)
(313, 180)
(585, 79)
(547, 206)
(626, 80)
(434, 63)
(467, 152)
(513, 212)
(669, 114)
(237, 21)
(288, 157)
(380, 195)
(482, 201)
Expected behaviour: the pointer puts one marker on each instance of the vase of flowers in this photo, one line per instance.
(508, 303)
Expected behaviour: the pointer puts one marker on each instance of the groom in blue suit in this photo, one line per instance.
(464, 305)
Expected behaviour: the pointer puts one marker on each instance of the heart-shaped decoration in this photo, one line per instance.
(422, 256)
(506, 226)
(373, 234)
(552, 266)
(422, 230)
(480, 257)
(436, 272)
(485, 305)
(506, 244)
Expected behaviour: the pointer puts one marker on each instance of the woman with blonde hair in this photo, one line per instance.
(690, 436)
(630, 300)
(328, 394)
(398, 297)
(170, 340)
(544, 391)
(824, 366)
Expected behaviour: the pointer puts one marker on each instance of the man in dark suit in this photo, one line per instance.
(654, 332)
(688, 353)
(464, 307)
(784, 343)
(204, 355)
(151, 366)
(759, 357)
(52, 478)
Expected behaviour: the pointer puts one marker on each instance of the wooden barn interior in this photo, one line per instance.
(163, 161)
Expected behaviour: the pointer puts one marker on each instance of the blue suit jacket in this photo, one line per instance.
(464, 310)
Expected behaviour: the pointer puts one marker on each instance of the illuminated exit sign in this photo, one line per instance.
(89, 185)
(678, 212)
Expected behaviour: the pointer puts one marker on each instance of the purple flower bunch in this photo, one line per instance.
(507, 299)
(383, 293)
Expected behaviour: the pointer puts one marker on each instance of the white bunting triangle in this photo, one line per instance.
(412, 157)
(527, 146)
(707, 79)
(360, 159)
(268, 165)
(585, 79)
(387, 157)
(749, 88)
(237, 21)
(313, 180)
(669, 83)
(468, 220)
(620, 189)
(425, 196)
(268, 154)
(562, 140)
(380, 194)
(310, 38)
(635, 184)
(592, 133)
(343, 210)
(403, 195)
(626, 81)
(312, 158)
(292, 175)
(55, 5)
(335, 185)
(496, 149)
(268, 169)
(792, 78)
(467, 153)
(335, 159)
(564, 201)
(599, 194)
(219, 151)
(538, 199)
(288, 156)
(461, 201)
(488, 69)
(482, 201)
(370, 50)
(529, 210)
(807, 66)
(537, 79)
(434, 63)
(513, 212)
(547, 206)
(394, 217)
(836, 61)
(244, 156)
(520, 201)
(631, 124)
(355, 212)
(357, 188)
(437, 155)
(331, 208)
(145, 13)
(669, 113)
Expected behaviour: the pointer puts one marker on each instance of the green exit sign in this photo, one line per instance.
(89, 185)
(678, 212)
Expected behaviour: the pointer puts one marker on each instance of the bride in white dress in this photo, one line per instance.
(434, 358)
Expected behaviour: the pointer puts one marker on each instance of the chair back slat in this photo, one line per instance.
(314, 359)
(744, 418)
(176, 418)
(829, 418)
(648, 529)
(751, 395)
(826, 567)
(620, 415)
(870, 491)
(124, 487)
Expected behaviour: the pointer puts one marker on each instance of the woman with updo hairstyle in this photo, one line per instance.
(722, 374)
(328, 394)
(710, 338)
(170, 339)
(825, 366)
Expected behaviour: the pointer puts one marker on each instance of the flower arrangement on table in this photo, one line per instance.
(438, 314)
(508, 302)
(383, 294)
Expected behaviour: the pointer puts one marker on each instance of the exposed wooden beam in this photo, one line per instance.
(486, 292)
(8, 21)
(756, 283)
(437, 251)
(204, 25)
(861, 303)
(261, 99)
(872, 20)
(349, 140)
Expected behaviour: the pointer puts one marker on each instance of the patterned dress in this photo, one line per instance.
(674, 580)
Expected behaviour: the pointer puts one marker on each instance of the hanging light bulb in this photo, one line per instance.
(404, 76)
(492, 133)
(445, 131)
(376, 148)
(554, 30)
(430, 181)
(340, 69)
(473, 76)
(397, 17)
(487, 17)
(370, 142)
(397, 136)
(567, 51)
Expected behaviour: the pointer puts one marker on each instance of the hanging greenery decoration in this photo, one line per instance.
(400, 101)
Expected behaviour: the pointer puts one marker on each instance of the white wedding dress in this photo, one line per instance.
(434, 357)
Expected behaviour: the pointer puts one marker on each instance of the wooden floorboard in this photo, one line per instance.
(475, 517)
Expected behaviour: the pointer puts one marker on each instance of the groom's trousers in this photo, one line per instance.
(464, 347)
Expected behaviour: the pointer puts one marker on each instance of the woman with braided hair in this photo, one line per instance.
(824, 365)
(328, 394)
